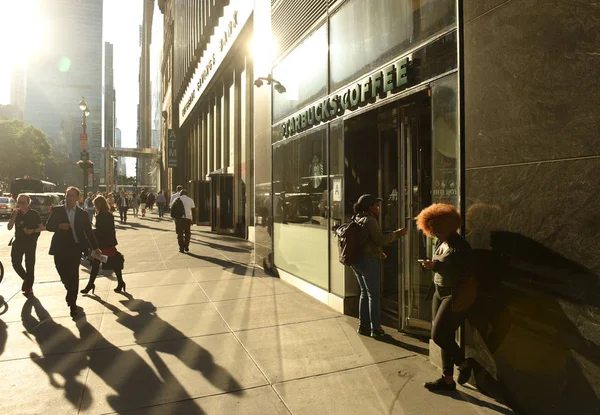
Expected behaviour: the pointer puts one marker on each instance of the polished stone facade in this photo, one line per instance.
(532, 162)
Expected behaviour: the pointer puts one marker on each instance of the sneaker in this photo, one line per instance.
(465, 374)
(364, 331)
(377, 333)
(440, 385)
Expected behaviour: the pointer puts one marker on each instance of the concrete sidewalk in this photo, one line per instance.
(201, 333)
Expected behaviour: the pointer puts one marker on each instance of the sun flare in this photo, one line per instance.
(22, 29)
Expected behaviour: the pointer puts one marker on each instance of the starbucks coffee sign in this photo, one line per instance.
(378, 84)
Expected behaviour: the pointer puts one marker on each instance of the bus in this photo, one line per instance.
(28, 185)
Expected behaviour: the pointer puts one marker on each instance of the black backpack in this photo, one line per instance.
(177, 210)
(349, 242)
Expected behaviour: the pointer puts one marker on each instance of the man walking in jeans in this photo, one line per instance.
(183, 223)
(28, 225)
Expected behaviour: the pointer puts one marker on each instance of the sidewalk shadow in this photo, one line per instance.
(220, 247)
(407, 346)
(187, 351)
(124, 371)
(221, 262)
(473, 400)
(46, 332)
(133, 379)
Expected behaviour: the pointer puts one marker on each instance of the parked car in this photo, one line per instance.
(7, 205)
(43, 202)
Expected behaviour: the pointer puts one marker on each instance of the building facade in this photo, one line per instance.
(18, 88)
(69, 67)
(110, 101)
(438, 101)
(418, 102)
(212, 111)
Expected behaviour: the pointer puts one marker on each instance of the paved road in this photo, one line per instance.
(204, 333)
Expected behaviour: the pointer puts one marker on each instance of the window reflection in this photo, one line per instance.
(366, 34)
(303, 73)
(300, 180)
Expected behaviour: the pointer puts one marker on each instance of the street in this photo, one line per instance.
(197, 333)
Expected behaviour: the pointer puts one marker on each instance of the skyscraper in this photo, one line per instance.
(68, 67)
(109, 96)
(18, 85)
(121, 164)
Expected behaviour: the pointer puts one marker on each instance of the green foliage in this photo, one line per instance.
(124, 180)
(24, 150)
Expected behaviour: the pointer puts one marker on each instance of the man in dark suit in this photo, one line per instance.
(72, 235)
(123, 205)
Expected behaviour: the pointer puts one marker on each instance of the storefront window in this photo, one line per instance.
(366, 34)
(303, 73)
(300, 198)
(446, 142)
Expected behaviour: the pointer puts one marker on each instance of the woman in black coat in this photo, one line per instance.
(107, 241)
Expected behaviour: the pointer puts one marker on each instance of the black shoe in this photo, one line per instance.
(440, 385)
(364, 331)
(88, 288)
(187, 249)
(181, 250)
(74, 311)
(377, 333)
(120, 288)
(465, 374)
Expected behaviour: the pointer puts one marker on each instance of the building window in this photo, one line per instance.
(303, 73)
(300, 187)
(366, 34)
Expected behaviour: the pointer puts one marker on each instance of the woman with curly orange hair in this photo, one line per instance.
(450, 265)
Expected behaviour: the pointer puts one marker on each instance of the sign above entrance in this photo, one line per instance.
(235, 16)
(378, 84)
(172, 149)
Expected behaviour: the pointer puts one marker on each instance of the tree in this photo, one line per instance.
(25, 149)
(61, 170)
(124, 180)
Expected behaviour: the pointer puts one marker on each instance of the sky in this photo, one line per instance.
(121, 22)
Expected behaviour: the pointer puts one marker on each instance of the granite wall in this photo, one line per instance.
(532, 96)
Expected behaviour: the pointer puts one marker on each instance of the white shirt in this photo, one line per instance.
(188, 204)
(71, 216)
(173, 197)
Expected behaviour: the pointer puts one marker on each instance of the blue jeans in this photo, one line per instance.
(369, 308)
(161, 209)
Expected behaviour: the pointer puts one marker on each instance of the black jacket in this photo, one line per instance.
(63, 241)
(105, 230)
(118, 203)
(453, 263)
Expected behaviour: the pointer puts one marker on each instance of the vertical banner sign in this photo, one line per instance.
(83, 142)
(172, 149)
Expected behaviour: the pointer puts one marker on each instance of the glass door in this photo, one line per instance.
(389, 155)
(415, 179)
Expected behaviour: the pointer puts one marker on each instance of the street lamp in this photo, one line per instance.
(85, 162)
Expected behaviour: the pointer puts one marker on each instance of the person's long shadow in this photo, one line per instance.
(189, 352)
(52, 337)
(526, 288)
(124, 371)
(136, 383)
